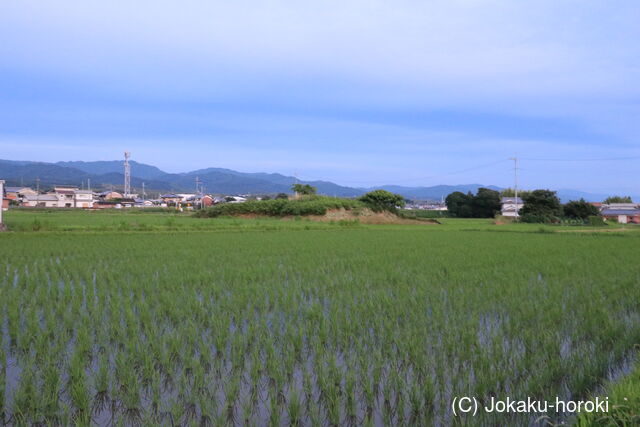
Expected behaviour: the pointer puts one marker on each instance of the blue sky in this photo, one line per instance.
(357, 92)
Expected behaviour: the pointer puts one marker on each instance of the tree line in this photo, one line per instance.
(538, 205)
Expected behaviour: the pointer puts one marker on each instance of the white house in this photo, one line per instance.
(66, 196)
(83, 199)
(511, 206)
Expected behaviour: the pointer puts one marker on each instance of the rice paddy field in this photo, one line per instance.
(147, 319)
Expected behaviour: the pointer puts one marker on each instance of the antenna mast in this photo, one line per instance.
(127, 174)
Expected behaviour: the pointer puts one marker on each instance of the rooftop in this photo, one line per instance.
(511, 200)
(42, 198)
(16, 189)
(621, 212)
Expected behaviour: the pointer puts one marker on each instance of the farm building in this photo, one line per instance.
(510, 206)
(624, 213)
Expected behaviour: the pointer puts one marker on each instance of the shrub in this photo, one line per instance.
(315, 205)
(382, 200)
(541, 206)
(485, 204)
(580, 209)
(596, 221)
(304, 189)
(539, 218)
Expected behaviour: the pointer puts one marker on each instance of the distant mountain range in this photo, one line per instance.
(109, 174)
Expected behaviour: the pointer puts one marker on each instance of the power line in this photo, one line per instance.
(610, 159)
(482, 166)
(485, 165)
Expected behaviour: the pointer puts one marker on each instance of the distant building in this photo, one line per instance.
(126, 202)
(83, 199)
(18, 193)
(109, 195)
(186, 196)
(171, 198)
(236, 199)
(66, 196)
(104, 204)
(41, 201)
(207, 201)
(511, 206)
(624, 213)
(60, 197)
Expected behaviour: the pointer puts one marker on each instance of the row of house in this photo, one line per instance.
(62, 197)
(624, 213)
(73, 197)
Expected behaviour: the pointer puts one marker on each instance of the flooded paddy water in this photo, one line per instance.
(308, 327)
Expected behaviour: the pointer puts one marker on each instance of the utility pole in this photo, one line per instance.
(37, 191)
(127, 174)
(1, 202)
(515, 177)
(144, 193)
(89, 184)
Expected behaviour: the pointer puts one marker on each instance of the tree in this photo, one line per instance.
(617, 199)
(510, 192)
(580, 209)
(282, 196)
(383, 200)
(486, 203)
(541, 206)
(304, 189)
(459, 204)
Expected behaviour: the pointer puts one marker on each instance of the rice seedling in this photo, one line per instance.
(328, 326)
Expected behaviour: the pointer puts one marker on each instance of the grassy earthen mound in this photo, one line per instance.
(315, 208)
(367, 216)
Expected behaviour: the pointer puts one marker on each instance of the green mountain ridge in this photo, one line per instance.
(109, 174)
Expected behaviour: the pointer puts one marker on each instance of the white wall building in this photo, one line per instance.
(83, 199)
(511, 206)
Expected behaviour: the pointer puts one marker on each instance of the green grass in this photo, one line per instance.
(624, 401)
(134, 220)
(214, 321)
